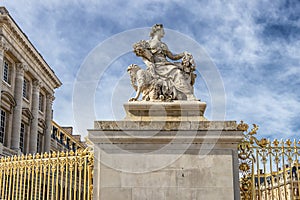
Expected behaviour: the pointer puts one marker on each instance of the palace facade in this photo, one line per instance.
(27, 92)
(281, 184)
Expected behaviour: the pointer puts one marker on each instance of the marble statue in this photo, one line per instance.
(162, 80)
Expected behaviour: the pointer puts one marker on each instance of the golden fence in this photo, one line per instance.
(268, 170)
(56, 175)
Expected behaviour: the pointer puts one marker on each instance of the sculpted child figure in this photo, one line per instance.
(162, 80)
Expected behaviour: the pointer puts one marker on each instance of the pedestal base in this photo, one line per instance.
(169, 160)
(165, 111)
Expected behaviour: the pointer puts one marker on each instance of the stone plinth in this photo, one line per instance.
(165, 111)
(168, 160)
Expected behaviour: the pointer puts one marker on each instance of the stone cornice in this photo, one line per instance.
(165, 125)
(3, 11)
(27, 47)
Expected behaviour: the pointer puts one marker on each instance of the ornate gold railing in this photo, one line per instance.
(268, 170)
(57, 175)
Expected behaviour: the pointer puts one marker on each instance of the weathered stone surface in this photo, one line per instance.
(116, 193)
(166, 160)
(165, 111)
(193, 176)
(164, 125)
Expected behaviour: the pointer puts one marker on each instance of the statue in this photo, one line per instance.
(162, 80)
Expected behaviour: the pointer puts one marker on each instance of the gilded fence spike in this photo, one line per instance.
(281, 142)
(288, 142)
(280, 156)
(37, 156)
(46, 155)
(38, 176)
(294, 142)
(71, 153)
(276, 142)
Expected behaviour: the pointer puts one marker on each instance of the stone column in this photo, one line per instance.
(17, 112)
(48, 120)
(35, 121)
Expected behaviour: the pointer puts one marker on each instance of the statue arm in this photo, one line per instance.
(170, 55)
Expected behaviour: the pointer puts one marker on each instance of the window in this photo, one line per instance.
(41, 102)
(73, 146)
(2, 126)
(25, 88)
(6, 72)
(68, 143)
(22, 137)
(61, 138)
(39, 140)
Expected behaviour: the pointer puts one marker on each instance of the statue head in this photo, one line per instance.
(157, 28)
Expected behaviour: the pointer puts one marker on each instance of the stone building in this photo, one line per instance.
(281, 184)
(62, 139)
(27, 88)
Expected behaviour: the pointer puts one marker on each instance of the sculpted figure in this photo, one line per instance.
(162, 80)
(142, 81)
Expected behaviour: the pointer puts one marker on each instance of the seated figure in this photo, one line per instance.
(162, 80)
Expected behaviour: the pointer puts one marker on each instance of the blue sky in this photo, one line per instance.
(253, 44)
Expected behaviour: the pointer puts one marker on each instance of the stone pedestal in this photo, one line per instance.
(165, 111)
(178, 158)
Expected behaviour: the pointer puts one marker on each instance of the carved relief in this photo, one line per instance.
(4, 46)
(21, 68)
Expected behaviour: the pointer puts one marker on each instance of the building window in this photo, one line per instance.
(68, 143)
(2, 126)
(41, 102)
(54, 131)
(61, 138)
(73, 146)
(6, 72)
(39, 145)
(22, 137)
(25, 88)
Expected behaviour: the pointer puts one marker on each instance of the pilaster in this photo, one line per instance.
(49, 102)
(17, 112)
(3, 48)
(35, 121)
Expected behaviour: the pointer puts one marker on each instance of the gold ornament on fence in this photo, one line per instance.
(56, 175)
(268, 170)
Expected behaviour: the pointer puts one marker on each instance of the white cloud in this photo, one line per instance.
(259, 70)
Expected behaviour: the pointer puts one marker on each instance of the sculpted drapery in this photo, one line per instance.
(162, 80)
